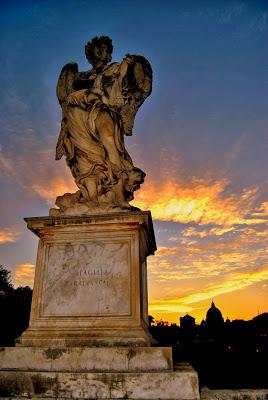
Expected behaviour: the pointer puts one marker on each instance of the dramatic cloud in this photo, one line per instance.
(192, 231)
(24, 275)
(200, 201)
(203, 261)
(8, 235)
(57, 186)
(262, 211)
(237, 281)
(242, 246)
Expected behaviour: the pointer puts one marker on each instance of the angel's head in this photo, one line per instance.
(99, 50)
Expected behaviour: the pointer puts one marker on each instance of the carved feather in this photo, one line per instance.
(66, 80)
(136, 87)
(64, 88)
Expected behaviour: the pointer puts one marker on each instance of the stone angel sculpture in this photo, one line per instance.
(98, 109)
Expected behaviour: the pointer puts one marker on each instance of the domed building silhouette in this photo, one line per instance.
(214, 320)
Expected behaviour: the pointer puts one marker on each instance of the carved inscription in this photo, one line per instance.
(89, 278)
(96, 277)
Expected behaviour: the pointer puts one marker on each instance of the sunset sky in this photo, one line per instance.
(201, 138)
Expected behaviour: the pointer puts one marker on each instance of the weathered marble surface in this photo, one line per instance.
(181, 384)
(98, 109)
(87, 359)
(91, 281)
(75, 269)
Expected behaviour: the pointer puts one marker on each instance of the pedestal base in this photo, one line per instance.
(90, 285)
(76, 337)
(95, 373)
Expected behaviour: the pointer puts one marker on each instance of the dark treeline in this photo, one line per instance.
(15, 305)
(231, 354)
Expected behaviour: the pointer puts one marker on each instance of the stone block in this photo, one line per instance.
(90, 359)
(180, 384)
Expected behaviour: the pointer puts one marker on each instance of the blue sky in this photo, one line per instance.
(201, 138)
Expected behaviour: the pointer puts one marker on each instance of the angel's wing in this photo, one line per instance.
(66, 80)
(136, 87)
(64, 88)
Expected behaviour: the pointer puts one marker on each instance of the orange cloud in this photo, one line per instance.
(8, 235)
(24, 275)
(202, 201)
(262, 211)
(56, 187)
(218, 231)
(210, 256)
(199, 201)
(237, 281)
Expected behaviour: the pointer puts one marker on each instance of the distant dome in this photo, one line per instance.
(187, 317)
(214, 316)
(187, 321)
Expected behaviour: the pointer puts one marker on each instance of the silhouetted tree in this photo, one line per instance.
(5, 284)
(150, 320)
(15, 305)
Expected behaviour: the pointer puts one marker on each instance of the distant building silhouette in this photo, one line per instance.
(214, 316)
(225, 354)
(187, 328)
(261, 320)
(187, 322)
(214, 321)
(260, 327)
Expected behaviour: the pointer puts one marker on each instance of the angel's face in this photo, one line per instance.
(100, 54)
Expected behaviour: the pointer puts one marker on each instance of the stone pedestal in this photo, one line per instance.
(88, 336)
(90, 284)
(95, 373)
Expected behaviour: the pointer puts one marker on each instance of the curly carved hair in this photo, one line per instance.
(97, 41)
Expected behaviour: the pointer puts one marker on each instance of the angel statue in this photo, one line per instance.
(98, 109)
